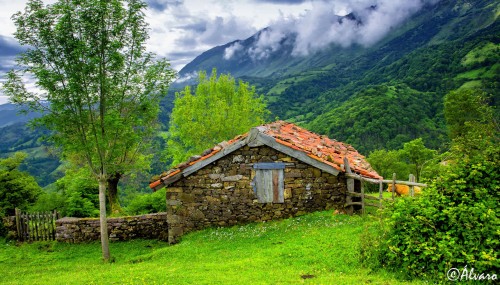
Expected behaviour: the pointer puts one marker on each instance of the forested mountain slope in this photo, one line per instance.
(383, 95)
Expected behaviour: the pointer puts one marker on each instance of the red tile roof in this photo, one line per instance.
(317, 147)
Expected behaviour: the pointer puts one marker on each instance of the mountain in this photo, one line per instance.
(16, 135)
(10, 114)
(380, 95)
(42, 161)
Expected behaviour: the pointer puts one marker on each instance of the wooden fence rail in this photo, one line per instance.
(363, 197)
(36, 226)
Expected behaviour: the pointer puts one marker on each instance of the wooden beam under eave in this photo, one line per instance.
(169, 180)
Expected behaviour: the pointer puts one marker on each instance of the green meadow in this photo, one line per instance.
(318, 248)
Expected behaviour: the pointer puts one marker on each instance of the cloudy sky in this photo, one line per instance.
(182, 29)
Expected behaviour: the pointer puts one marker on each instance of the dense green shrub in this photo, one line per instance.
(80, 191)
(49, 201)
(148, 203)
(454, 224)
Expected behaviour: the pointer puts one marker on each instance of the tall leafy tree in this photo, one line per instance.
(418, 156)
(388, 162)
(17, 188)
(103, 89)
(219, 110)
(472, 122)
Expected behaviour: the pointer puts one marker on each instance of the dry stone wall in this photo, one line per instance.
(76, 230)
(221, 193)
(10, 227)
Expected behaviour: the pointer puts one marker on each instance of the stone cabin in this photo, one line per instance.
(275, 171)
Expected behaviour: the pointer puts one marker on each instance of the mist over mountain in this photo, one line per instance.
(341, 26)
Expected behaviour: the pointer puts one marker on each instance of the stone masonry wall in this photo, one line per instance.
(9, 224)
(76, 230)
(221, 193)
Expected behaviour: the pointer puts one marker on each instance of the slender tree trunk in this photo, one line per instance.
(112, 183)
(103, 219)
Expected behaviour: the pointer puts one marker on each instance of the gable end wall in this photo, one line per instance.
(221, 193)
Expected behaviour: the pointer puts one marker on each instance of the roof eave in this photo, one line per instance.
(197, 166)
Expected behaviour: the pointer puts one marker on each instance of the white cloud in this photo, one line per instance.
(187, 77)
(230, 51)
(342, 23)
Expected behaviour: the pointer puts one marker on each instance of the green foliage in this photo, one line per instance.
(388, 162)
(413, 158)
(50, 201)
(471, 121)
(383, 116)
(80, 191)
(465, 105)
(478, 56)
(89, 59)
(41, 162)
(148, 203)
(104, 89)
(219, 110)
(417, 155)
(455, 222)
(17, 189)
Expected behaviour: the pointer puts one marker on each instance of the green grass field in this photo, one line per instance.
(318, 248)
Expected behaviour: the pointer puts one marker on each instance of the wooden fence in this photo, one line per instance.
(36, 226)
(364, 197)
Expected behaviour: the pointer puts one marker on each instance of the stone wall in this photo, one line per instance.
(76, 230)
(221, 193)
(10, 227)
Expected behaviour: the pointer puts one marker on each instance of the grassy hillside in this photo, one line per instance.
(42, 162)
(314, 249)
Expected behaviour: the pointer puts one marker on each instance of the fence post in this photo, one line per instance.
(380, 192)
(393, 185)
(18, 223)
(350, 187)
(362, 196)
(412, 188)
(53, 224)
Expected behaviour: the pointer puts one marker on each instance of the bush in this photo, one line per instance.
(148, 203)
(49, 202)
(81, 193)
(453, 224)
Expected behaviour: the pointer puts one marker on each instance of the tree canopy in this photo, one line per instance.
(219, 110)
(17, 189)
(99, 88)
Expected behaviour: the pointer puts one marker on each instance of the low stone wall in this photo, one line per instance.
(9, 224)
(76, 230)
